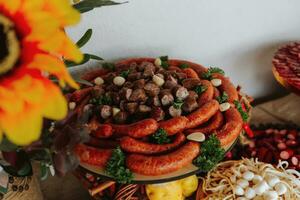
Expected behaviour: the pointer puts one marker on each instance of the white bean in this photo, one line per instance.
(272, 180)
(197, 136)
(158, 80)
(72, 105)
(261, 187)
(98, 81)
(216, 82)
(119, 80)
(224, 106)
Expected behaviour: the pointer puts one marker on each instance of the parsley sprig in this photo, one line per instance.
(125, 73)
(116, 167)
(102, 100)
(211, 154)
(243, 113)
(199, 89)
(164, 61)
(222, 98)
(208, 74)
(184, 65)
(160, 137)
(177, 104)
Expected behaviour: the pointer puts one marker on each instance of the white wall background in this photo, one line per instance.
(238, 35)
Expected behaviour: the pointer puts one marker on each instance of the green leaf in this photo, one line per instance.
(125, 73)
(164, 61)
(6, 145)
(87, 5)
(44, 171)
(109, 66)
(85, 38)
(69, 63)
(26, 170)
(160, 137)
(94, 57)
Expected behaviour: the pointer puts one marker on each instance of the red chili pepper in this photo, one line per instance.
(248, 130)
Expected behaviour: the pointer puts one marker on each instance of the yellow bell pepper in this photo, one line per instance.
(175, 190)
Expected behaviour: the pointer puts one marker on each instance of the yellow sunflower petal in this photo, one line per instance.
(9, 101)
(11, 6)
(71, 51)
(54, 66)
(55, 105)
(63, 11)
(22, 128)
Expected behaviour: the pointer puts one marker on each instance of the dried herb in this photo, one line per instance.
(164, 61)
(109, 66)
(177, 104)
(184, 65)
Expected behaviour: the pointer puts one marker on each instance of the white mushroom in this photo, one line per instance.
(272, 180)
(257, 179)
(270, 195)
(261, 187)
(243, 183)
(248, 175)
(250, 193)
(280, 188)
(174, 112)
(238, 190)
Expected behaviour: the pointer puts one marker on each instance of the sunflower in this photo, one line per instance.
(32, 44)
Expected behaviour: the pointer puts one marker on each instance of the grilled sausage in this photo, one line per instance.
(202, 114)
(174, 125)
(208, 94)
(227, 87)
(136, 130)
(232, 127)
(158, 165)
(213, 124)
(92, 156)
(132, 145)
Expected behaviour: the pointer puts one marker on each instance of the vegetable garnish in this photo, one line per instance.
(184, 65)
(208, 75)
(199, 89)
(116, 167)
(239, 107)
(125, 73)
(177, 104)
(211, 154)
(160, 137)
(103, 100)
(164, 61)
(109, 66)
(223, 98)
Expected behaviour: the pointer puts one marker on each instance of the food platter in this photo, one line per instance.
(155, 113)
(141, 179)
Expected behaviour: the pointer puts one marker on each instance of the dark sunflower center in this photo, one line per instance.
(9, 45)
(3, 43)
